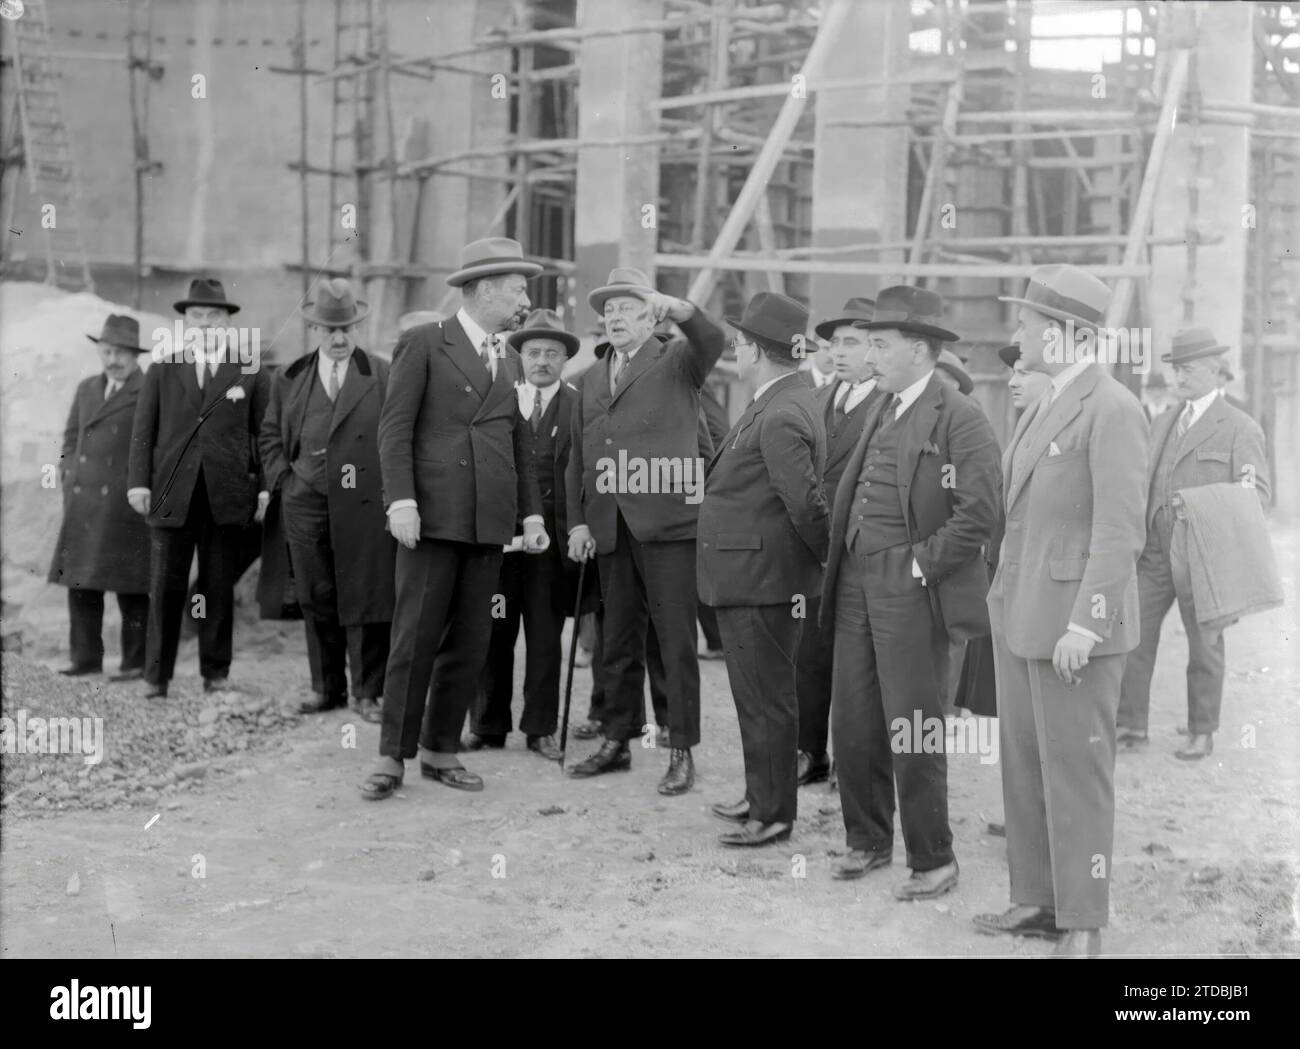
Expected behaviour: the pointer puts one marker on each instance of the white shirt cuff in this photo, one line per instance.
(136, 491)
(402, 504)
(1075, 628)
(535, 519)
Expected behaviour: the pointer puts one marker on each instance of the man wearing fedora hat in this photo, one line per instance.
(319, 444)
(457, 476)
(762, 542)
(196, 475)
(102, 545)
(843, 404)
(915, 507)
(1201, 440)
(1064, 611)
(641, 406)
(538, 590)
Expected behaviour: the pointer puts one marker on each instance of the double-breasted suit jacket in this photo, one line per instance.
(364, 550)
(103, 544)
(450, 437)
(949, 480)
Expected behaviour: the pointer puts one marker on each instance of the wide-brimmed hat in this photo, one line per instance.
(122, 332)
(1065, 293)
(335, 306)
(544, 324)
(856, 309)
(491, 257)
(774, 318)
(1191, 344)
(206, 291)
(1009, 355)
(951, 363)
(908, 309)
(623, 280)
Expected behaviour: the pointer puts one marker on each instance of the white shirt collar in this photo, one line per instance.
(526, 392)
(908, 397)
(768, 385)
(473, 332)
(325, 364)
(1199, 405)
(820, 378)
(857, 393)
(1063, 379)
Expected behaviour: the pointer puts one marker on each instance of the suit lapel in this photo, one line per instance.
(637, 366)
(188, 379)
(917, 427)
(228, 375)
(1161, 430)
(1058, 415)
(352, 391)
(1203, 429)
(120, 401)
(503, 386)
(465, 357)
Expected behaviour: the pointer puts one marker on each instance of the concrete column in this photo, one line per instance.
(620, 75)
(860, 173)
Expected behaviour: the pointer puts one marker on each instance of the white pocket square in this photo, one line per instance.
(1052, 449)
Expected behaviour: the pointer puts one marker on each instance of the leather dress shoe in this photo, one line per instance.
(926, 885)
(813, 769)
(1130, 739)
(460, 778)
(1200, 745)
(1079, 943)
(474, 741)
(81, 671)
(859, 863)
(712, 654)
(156, 691)
(380, 785)
(216, 684)
(680, 776)
(320, 702)
(587, 730)
(369, 710)
(613, 756)
(134, 674)
(1021, 920)
(544, 746)
(753, 834)
(736, 812)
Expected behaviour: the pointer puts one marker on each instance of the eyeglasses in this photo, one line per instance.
(624, 309)
(550, 355)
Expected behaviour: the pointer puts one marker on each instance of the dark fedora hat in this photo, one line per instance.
(856, 309)
(122, 332)
(1009, 354)
(775, 318)
(335, 306)
(544, 324)
(951, 363)
(492, 257)
(1065, 293)
(1191, 344)
(623, 280)
(206, 291)
(911, 310)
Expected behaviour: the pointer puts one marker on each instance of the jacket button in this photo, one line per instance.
(469, 389)
(463, 463)
(83, 458)
(104, 490)
(76, 489)
(609, 440)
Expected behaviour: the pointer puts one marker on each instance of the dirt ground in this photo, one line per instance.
(297, 865)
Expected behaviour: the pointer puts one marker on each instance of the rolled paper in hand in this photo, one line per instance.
(516, 544)
(541, 541)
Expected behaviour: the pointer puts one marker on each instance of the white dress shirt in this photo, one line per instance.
(528, 394)
(908, 397)
(1198, 407)
(1062, 379)
(325, 365)
(857, 392)
(477, 337)
(765, 387)
(820, 378)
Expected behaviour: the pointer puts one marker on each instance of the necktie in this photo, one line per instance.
(891, 409)
(842, 400)
(110, 389)
(489, 347)
(333, 389)
(203, 375)
(535, 420)
(616, 373)
(1185, 421)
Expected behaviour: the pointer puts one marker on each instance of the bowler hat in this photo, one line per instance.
(335, 306)
(908, 309)
(774, 318)
(1191, 344)
(1009, 354)
(544, 324)
(491, 257)
(623, 280)
(1065, 293)
(856, 309)
(951, 363)
(122, 332)
(206, 291)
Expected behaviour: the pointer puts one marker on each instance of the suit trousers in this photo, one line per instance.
(813, 681)
(1162, 579)
(760, 644)
(890, 665)
(171, 553)
(530, 584)
(654, 665)
(86, 628)
(442, 622)
(330, 646)
(643, 583)
(1058, 783)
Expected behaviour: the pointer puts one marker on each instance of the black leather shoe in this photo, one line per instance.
(858, 864)
(380, 785)
(156, 691)
(1079, 943)
(544, 746)
(680, 776)
(613, 756)
(1037, 922)
(587, 730)
(473, 741)
(1200, 745)
(81, 671)
(926, 885)
(753, 834)
(369, 710)
(319, 703)
(736, 812)
(216, 684)
(813, 769)
(460, 778)
(135, 674)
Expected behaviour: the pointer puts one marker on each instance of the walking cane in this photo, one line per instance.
(573, 655)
